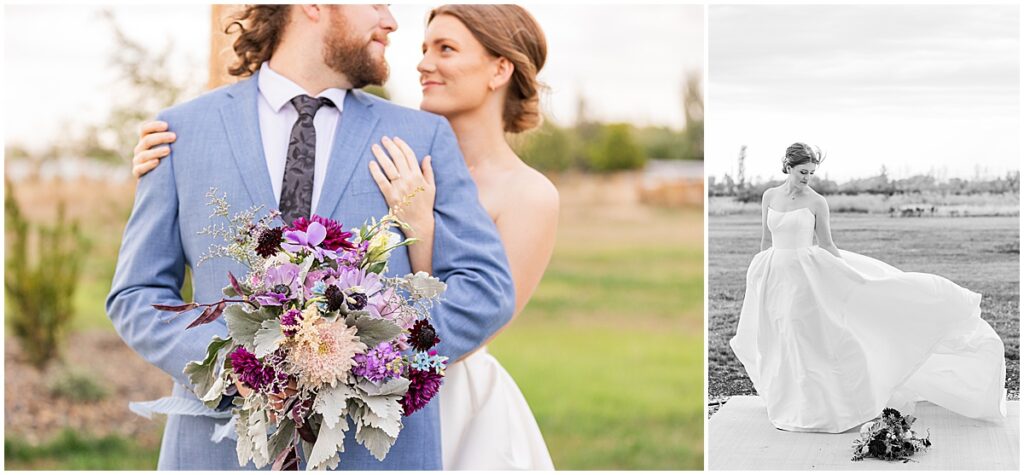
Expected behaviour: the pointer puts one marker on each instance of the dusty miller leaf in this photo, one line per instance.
(374, 331)
(243, 325)
(331, 404)
(258, 435)
(391, 387)
(328, 443)
(268, 338)
(391, 425)
(425, 286)
(243, 447)
(375, 440)
(213, 396)
(203, 374)
(384, 407)
(282, 437)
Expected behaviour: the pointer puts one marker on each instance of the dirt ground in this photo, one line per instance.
(33, 414)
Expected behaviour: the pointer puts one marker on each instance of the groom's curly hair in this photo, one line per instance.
(260, 28)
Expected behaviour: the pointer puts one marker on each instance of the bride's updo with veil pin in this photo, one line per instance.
(800, 153)
(510, 32)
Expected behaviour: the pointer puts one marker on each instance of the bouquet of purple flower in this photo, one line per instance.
(318, 338)
(889, 437)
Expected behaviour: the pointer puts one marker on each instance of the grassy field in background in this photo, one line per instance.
(946, 205)
(71, 450)
(608, 353)
(981, 254)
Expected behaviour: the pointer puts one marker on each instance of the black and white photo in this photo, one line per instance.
(863, 237)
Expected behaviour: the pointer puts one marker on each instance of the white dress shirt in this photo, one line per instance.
(277, 117)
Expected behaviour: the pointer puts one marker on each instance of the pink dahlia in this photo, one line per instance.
(324, 353)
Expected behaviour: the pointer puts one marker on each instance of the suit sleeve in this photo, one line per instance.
(150, 270)
(468, 255)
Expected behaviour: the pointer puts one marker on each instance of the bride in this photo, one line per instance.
(479, 70)
(830, 338)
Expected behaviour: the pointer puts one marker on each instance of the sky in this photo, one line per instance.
(627, 61)
(914, 88)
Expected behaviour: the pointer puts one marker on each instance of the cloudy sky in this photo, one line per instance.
(919, 88)
(628, 61)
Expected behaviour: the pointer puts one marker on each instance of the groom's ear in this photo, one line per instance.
(311, 12)
(502, 74)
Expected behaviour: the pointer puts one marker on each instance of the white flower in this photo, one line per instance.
(382, 242)
(275, 260)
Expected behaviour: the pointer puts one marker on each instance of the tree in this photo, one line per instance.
(662, 142)
(549, 148)
(693, 110)
(40, 284)
(16, 152)
(617, 150)
(586, 132)
(148, 86)
(741, 172)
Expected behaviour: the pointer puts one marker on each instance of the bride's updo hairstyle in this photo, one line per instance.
(799, 154)
(510, 32)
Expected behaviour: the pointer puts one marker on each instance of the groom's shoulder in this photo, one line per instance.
(203, 106)
(398, 115)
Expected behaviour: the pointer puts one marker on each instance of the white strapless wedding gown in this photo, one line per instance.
(485, 421)
(830, 342)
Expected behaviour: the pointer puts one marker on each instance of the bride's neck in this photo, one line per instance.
(794, 190)
(481, 137)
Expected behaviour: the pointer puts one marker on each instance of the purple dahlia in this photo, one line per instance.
(423, 385)
(269, 241)
(251, 371)
(423, 337)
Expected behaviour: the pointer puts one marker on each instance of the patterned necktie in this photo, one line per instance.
(297, 187)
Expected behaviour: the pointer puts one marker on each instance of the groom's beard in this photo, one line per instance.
(351, 56)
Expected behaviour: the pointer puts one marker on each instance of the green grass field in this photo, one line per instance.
(609, 352)
(981, 254)
(71, 450)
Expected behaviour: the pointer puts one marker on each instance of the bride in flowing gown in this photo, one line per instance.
(830, 337)
(479, 70)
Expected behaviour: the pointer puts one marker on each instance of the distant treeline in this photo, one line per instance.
(599, 147)
(880, 184)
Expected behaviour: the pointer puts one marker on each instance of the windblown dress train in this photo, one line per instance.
(830, 342)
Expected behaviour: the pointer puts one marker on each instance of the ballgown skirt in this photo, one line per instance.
(830, 342)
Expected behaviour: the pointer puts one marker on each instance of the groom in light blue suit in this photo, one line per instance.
(326, 53)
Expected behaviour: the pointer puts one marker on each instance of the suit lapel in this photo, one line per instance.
(241, 121)
(351, 142)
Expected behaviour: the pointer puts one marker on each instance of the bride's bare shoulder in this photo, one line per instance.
(770, 193)
(534, 189)
(818, 202)
(523, 191)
